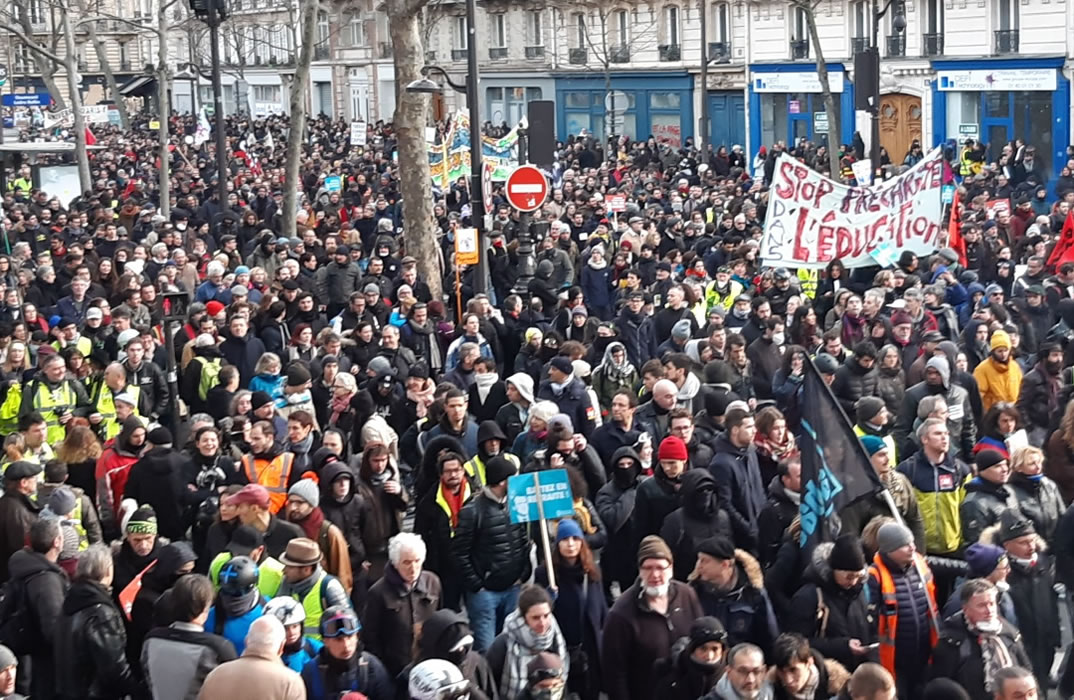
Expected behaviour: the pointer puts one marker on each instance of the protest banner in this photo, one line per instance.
(555, 501)
(813, 220)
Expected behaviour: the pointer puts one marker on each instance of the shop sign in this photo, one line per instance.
(820, 122)
(803, 81)
(794, 107)
(968, 131)
(1030, 79)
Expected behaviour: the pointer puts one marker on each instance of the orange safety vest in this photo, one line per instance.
(273, 475)
(888, 615)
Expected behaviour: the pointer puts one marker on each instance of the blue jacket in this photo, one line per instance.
(637, 336)
(596, 286)
(738, 483)
(234, 629)
(573, 401)
(297, 660)
(365, 674)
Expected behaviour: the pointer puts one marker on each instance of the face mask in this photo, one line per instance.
(778, 338)
(740, 314)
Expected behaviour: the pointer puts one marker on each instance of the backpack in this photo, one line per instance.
(210, 376)
(19, 628)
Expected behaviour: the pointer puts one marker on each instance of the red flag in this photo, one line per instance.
(91, 140)
(954, 233)
(1064, 247)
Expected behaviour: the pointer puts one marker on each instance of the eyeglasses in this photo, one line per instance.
(340, 626)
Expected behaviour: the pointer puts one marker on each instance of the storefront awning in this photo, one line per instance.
(138, 86)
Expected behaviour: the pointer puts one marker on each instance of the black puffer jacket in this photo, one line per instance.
(1037, 609)
(615, 504)
(847, 612)
(852, 381)
(657, 497)
(774, 520)
(90, 647)
(346, 514)
(958, 655)
(697, 519)
(1040, 501)
(491, 552)
(984, 503)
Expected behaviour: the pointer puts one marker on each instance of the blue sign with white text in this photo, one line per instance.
(28, 99)
(333, 183)
(556, 496)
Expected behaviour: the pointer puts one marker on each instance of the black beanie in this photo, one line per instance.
(498, 469)
(705, 630)
(987, 458)
(846, 554)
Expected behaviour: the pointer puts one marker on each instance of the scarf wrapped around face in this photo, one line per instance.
(522, 646)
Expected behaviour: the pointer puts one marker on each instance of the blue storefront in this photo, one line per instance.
(786, 104)
(1005, 99)
(661, 105)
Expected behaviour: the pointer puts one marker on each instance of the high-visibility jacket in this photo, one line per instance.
(807, 279)
(314, 606)
(9, 409)
(50, 404)
(475, 469)
(269, 574)
(887, 613)
(722, 300)
(84, 345)
(272, 474)
(106, 406)
(24, 184)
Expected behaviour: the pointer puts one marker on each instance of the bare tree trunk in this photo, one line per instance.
(106, 68)
(71, 64)
(411, 110)
(297, 130)
(48, 77)
(163, 109)
(826, 92)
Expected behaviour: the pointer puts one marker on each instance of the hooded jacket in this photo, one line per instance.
(774, 520)
(444, 636)
(615, 503)
(852, 381)
(698, 518)
(998, 381)
(157, 480)
(112, 472)
(348, 513)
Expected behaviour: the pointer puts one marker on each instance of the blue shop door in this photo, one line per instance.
(727, 119)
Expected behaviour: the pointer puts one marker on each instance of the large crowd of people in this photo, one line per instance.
(315, 504)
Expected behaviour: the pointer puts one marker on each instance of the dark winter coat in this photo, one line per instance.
(1039, 500)
(490, 551)
(744, 610)
(637, 335)
(90, 647)
(738, 478)
(392, 611)
(827, 614)
(634, 636)
(580, 609)
(573, 401)
(348, 514)
(615, 502)
(1037, 607)
(774, 519)
(17, 514)
(852, 381)
(1038, 399)
(681, 677)
(244, 354)
(157, 480)
(657, 497)
(983, 505)
(335, 283)
(958, 655)
(440, 634)
(698, 518)
(45, 586)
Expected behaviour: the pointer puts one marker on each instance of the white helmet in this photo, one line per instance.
(437, 679)
(287, 610)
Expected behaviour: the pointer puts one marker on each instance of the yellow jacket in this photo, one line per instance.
(998, 381)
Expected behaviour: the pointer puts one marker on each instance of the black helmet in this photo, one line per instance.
(238, 576)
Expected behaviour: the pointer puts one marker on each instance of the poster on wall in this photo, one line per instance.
(813, 220)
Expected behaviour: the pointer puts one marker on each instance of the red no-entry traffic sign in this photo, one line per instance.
(527, 188)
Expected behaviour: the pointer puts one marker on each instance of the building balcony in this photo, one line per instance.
(1006, 41)
(897, 45)
(534, 52)
(932, 44)
(719, 51)
(498, 53)
(125, 66)
(670, 52)
(577, 57)
(459, 54)
(799, 49)
(858, 44)
(619, 54)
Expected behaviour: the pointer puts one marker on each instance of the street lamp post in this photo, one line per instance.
(898, 23)
(213, 12)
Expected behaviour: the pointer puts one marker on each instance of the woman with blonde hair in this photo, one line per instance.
(1037, 495)
(1059, 450)
(16, 361)
(14, 450)
(80, 451)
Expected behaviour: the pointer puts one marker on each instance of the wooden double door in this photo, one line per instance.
(900, 124)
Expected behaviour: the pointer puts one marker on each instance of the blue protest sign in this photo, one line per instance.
(947, 194)
(556, 499)
(333, 183)
(29, 99)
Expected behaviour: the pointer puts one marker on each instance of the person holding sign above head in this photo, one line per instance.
(492, 554)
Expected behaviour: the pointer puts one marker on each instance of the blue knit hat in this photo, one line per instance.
(873, 444)
(983, 559)
(568, 528)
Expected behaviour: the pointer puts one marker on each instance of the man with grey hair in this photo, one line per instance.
(404, 597)
(746, 677)
(91, 661)
(258, 673)
(1015, 683)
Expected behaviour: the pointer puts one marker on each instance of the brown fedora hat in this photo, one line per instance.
(301, 551)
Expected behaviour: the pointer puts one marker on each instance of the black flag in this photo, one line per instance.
(836, 470)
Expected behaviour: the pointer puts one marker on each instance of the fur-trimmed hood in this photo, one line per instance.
(837, 674)
(990, 535)
(748, 564)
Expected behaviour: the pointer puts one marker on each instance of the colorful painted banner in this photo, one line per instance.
(813, 220)
(449, 160)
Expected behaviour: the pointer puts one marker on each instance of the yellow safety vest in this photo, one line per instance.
(269, 574)
(314, 608)
(475, 468)
(84, 345)
(808, 280)
(106, 406)
(48, 402)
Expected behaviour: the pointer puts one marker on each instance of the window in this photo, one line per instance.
(721, 23)
(535, 27)
(671, 25)
(801, 25)
(24, 62)
(499, 30)
(357, 30)
(579, 30)
(266, 93)
(860, 25)
(621, 27)
(1008, 15)
(34, 10)
(124, 54)
(461, 34)
(323, 29)
(933, 16)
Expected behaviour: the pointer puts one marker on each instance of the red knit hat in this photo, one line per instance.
(672, 447)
